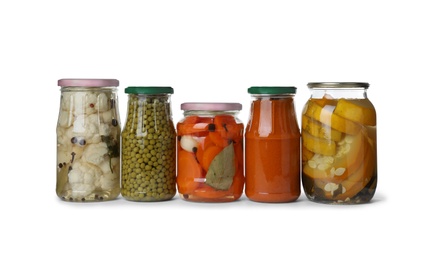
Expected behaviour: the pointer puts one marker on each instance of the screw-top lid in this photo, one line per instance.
(211, 106)
(88, 82)
(338, 85)
(149, 90)
(271, 90)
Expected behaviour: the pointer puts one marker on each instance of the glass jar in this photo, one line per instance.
(148, 145)
(88, 138)
(210, 152)
(339, 143)
(272, 143)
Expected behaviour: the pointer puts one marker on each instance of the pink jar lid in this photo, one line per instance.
(211, 106)
(88, 82)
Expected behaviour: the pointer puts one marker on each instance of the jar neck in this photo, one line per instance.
(210, 113)
(336, 93)
(150, 98)
(272, 97)
(88, 89)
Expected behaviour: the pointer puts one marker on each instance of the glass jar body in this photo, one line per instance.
(148, 149)
(339, 154)
(88, 138)
(272, 150)
(210, 156)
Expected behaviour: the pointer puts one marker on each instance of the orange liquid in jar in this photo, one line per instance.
(272, 151)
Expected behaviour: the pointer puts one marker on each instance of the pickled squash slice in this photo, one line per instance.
(318, 145)
(320, 130)
(327, 116)
(337, 167)
(358, 110)
(349, 187)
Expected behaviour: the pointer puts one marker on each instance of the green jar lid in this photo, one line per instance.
(269, 90)
(149, 90)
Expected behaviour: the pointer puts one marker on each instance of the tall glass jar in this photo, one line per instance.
(339, 152)
(148, 145)
(272, 146)
(88, 138)
(210, 152)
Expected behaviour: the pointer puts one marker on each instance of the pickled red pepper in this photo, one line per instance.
(210, 158)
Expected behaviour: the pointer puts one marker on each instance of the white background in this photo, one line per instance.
(214, 51)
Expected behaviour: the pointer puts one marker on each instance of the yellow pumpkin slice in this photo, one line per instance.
(344, 162)
(320, 130)
(355, 182)
(356, 110)
(327, 116)
(318, 145)
(306, 154)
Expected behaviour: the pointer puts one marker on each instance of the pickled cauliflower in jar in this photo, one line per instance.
(88, 133)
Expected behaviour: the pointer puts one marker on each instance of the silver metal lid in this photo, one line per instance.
(364, 85)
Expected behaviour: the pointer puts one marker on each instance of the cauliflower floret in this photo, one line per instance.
(109, 181)
(65, 101)
(65, 147)
(64, 154)
(66, 118)
(95, 153)
(84, 178)
(110, 168)
(89, 103)
(106, 117)
(64, 135)
(105, 129)
(110, 177)
(90, 128)
(103, 102)
(85, 103)
(69, 153)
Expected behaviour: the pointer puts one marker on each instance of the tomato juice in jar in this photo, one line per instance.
(272, 143)
(339, 153)
(210, 152)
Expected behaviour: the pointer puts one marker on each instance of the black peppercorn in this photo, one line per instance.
(211, 127)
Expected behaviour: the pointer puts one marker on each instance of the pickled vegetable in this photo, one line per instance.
(339, 150)
(88, 150)
(148, 150)
(210, 158)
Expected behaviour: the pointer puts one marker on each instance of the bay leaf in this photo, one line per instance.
(221, 172)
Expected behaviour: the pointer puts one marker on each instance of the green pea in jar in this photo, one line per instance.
(148, 145)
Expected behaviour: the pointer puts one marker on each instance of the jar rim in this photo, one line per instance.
(210, 106)
(364, 85)
(87, 82)
(272, 90)
(149, 90)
